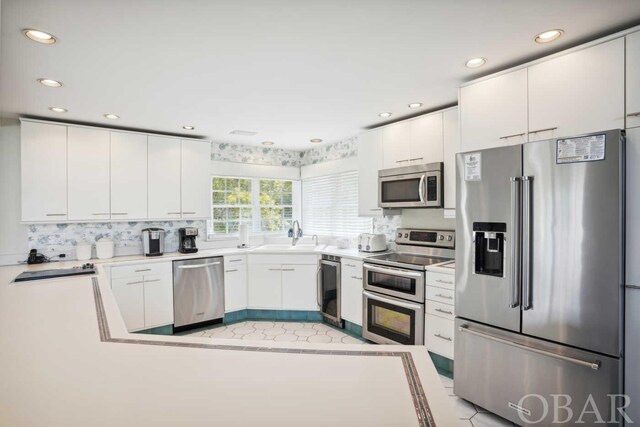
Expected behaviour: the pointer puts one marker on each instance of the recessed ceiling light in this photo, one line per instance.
(415, 105)
(188, 127)
(49, 82)
(315, 140)
(385, 115)
(58, 109)
(39, 36)
(476, 62)
(267, 143)
(548, 36)
(112, 116)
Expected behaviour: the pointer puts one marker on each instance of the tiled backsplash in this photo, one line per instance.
(55, 238)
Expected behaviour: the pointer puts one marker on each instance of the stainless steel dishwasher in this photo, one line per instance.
(198, 292)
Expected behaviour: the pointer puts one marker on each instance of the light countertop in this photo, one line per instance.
(66, 359)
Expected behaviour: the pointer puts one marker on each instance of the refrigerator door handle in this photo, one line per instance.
(514, 294)
(595, 365)
(526, 243)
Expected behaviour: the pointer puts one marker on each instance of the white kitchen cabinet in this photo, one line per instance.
(369, 163)
(633, 79)
(265, 286)
(128, 176)
(440, 312)
(451, 147)
(493, 112)
(164, 165)
(43, 172)
(351, 290)
(633, 208)
(88, 173)
(426, 135)
(439, 335)
(129, 295)
(158, 300)
(195, 179)
(396, 145)
(299, 287)
(578, 93)
(235, 283)
(632, 351)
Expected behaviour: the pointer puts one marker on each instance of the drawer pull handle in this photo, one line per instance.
(446, 282)
(633, 114)
(513, 136)
(235, 260)
(135, 283)
(444, 311)
(350, 265)
(543, 130)
(60, 214)
(152, 280)
(288, 269)
(188, 213)
(402, 161)
(231, 271)
(173, 213)
(375, 209)
(356, 277)
(144, 269)
(442, 337)
(98, 214)
(119, 213)
(444, 296)
(417, 158)
(275, 269)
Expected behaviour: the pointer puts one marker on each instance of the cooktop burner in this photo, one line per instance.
(406, 260)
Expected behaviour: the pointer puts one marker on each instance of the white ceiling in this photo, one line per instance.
(290, 70)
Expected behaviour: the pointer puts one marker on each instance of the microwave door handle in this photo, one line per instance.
(421, 188)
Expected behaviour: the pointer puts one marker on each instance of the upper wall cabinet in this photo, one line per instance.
(44, 172)
(128, 176)
(369, 162)
(164, 163)
(451, 147)
(493, 112)
(633, 80)
(413, 142)
(88, 174)
(578, 93)
(195, 181)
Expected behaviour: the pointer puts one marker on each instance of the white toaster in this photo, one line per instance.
(368, 242)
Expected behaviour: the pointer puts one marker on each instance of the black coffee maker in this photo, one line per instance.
(187, 240)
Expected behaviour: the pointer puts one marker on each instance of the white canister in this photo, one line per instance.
(105, 248)
(83, 250)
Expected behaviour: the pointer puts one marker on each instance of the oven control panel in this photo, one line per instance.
(437, 238)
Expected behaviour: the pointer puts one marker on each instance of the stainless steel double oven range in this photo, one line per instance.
(394, 286)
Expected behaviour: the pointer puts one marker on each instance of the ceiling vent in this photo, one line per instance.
(242, 132)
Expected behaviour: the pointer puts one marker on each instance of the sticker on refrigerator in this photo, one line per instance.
(473, 167)
(582, 149)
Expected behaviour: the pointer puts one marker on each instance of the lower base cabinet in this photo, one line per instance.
(235, 283)
(265, 286)
(439, 335)
(439, 325)
(299, 287)
(158, 300)
(129, 294)
(351, 290)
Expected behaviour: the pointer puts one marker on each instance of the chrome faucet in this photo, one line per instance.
(315, 238)
(296, 233)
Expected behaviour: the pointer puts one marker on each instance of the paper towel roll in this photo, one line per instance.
(243, 236)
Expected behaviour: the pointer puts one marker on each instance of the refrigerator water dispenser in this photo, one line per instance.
(489, 238)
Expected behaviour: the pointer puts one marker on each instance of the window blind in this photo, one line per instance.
(330, 206)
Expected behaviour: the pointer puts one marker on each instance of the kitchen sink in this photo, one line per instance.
(287, 248)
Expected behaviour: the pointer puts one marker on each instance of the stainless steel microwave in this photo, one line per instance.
(418, 186)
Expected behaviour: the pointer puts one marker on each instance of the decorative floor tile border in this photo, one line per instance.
(423, 411)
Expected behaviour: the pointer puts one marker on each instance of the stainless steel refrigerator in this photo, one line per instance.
(539, 277)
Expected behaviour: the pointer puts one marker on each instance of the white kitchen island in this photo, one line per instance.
(66, 359)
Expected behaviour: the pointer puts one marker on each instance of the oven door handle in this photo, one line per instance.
(393, 271)
(395, 301)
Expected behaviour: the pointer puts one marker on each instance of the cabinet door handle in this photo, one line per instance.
(543, 130)
(57, 214)
(235, 260)
(152, 280)
(173, 213)
(442, 337)
(514, 135)
(231, 271)
(444, 311)
(402, 161)
(119, 213)
(633, 114)
(288, 269)
(444, 296)
(446, 282)
(135, 283)
(141, 270)
(356, 277)
(417, 158)
(100, 214)
(375, 209)
(275, 269)
(350, 265)
(188, 213)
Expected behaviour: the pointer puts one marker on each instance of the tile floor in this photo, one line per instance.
(313, 332)
(316, 332)
(471, 415)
